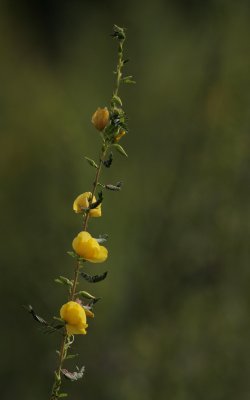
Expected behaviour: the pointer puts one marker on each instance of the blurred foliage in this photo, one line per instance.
(174, 319)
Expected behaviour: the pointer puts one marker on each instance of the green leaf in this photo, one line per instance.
(91, 162)
(102, 238)
(86, 295)
(128, 79)
(120, 149)
(63, 281)
(57, 377)
(72, 254)
(36, 317)
(63, 395)
(117, 100)
(70, 356)
(118, 32)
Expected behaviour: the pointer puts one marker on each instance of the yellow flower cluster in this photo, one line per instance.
(82, 202)
(85, 246)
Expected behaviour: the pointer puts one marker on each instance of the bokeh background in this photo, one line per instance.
(174, 320)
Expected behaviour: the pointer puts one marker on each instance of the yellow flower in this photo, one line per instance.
(82, 201)
(100, 118)
(75, 317)
(120, 135)
(88, 248)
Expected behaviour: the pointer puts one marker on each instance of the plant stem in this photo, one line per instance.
(86, 218)
(72, 294)
(63, 350)
(119, 67)
(98, 171)
(57, 382)
(64, 346)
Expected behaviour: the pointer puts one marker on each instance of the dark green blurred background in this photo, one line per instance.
(174, 320)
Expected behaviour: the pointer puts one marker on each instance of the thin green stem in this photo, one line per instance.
(98, 171)
(86, 218)
(119, 67)
(57, 383)
(65, 344)
(72, 293)
(63, 349)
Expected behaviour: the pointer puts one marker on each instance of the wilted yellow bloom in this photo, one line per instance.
(75, 317)
(120, 135)
(82, 201)
(88, 248)
(100, 118)
(88, 312)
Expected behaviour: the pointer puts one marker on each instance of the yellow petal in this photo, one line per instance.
(100, 255)
(80, 241)
(96, 212)
(82, 201)
(74, 330)
(89, 313)
(88, 248)
(73, 313)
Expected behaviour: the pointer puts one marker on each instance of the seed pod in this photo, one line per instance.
(114, 188)
(93, 278)
(107, 163)
(98, 202)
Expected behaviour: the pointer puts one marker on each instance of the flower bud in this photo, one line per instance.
(120, 135)
(100, 118)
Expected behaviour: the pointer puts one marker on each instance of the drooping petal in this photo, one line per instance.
(88, 312)
(96, 212)
(100, 254)
(75, 330)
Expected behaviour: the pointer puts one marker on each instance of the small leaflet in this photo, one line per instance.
(73, 376)
(35, 316)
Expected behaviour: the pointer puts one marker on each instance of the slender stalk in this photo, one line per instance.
(98, 171)
(86, 218)
(57, 382)
(65, 344)
(119, 67)
(63, 349)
